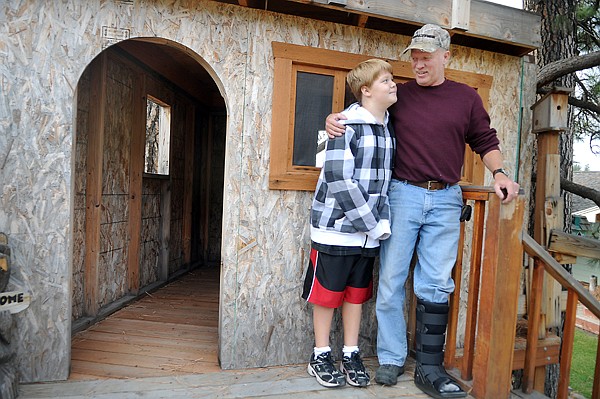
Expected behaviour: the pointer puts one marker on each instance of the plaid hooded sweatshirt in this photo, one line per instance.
(351, 207)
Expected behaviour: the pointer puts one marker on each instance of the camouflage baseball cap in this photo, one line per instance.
(429, 38)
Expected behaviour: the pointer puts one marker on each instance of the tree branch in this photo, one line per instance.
(556, 69)
(582, 191)
(584, 104)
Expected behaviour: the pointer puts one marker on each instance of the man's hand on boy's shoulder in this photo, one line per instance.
(333, 127)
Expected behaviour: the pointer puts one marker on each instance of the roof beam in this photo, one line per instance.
(487, 21)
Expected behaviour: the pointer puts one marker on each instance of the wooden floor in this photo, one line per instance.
(172, 331)
(165, 346)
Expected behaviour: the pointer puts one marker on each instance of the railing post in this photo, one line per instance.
(533, 325)
(566, 350)
(500, 279)
(596, 387)
(474, 289)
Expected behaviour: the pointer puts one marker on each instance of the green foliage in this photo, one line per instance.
(583, 362)
(587, 122)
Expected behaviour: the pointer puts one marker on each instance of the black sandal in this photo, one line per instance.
(431, 379)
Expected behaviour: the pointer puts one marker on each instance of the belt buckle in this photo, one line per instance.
(429, 184)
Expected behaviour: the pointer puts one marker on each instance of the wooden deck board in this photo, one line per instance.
(272, 382)
(102, 338)
(136, 327)
(145, 351)
(173, 331)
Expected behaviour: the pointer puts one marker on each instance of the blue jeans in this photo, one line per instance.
(429, 220)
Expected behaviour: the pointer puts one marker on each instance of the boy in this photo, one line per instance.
(349, 215)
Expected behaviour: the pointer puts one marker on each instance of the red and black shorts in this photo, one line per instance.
(334, 279)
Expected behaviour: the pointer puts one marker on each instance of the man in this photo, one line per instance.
(434, 118)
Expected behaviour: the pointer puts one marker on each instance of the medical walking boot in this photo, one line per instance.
(430, 375)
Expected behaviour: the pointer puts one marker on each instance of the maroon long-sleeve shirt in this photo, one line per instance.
(432, 125)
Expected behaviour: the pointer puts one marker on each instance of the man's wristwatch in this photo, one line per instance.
(499, 170)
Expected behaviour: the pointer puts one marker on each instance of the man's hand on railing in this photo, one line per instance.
(505, 188)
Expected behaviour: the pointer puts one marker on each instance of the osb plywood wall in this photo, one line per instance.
(45, 48)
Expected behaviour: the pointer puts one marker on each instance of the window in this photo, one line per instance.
(158, 137)
(309, 84)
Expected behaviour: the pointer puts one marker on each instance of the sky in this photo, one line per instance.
(581, 149)
(584, 156)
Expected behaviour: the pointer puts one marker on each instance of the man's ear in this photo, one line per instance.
(446, 57)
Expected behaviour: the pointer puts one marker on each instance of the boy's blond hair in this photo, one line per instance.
(365, 73)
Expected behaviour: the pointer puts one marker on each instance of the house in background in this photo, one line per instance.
(583, 207)
(586, 222)
(242, 89)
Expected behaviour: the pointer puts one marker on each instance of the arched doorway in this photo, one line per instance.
(148, 192)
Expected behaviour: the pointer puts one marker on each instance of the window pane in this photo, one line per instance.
(158, 137)
(314, 96)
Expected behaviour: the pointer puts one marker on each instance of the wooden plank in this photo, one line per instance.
(461, 11)
(573, 245)
(521, 395)
(487, 20)
(533, 325)
(136, 169)
(476, 193)
(545, 196)
(129, 327)
(346, 61)
(279, 126)
(166, 318)
(362, 21)
(188, 177)
(93, 191)
(170, 311)
(566, 352)
(155, 336)
(498, 307)
(290, 382)
(454, 304)
(473, 299)
(199, 340)
(118, 371)
(149, 349)
(596, 386)
(547, 144)
(548, 352)
(165, 230)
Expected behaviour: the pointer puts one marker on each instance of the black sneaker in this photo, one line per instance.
(355, 372)
(323, 369)
(387, 374)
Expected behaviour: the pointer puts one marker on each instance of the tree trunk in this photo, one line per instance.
(558, 32)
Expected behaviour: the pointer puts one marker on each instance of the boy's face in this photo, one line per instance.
(429, 67)
(383, 89)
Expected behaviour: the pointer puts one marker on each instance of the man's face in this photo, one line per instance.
(429, 67)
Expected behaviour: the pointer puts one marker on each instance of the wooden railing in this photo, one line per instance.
(544, 262)
(485, 362)
(485, 359)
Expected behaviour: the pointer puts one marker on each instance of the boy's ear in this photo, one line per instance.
(365, 91)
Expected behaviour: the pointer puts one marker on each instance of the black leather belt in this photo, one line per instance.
(430, 185)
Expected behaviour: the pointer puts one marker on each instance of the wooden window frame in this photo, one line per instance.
(291, 58)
